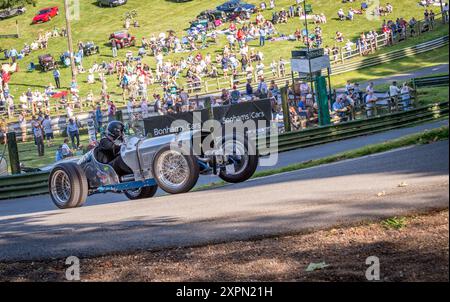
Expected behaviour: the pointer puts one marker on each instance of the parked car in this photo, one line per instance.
(232, 5)
(111, 3)
(210, 16)
(47, 62)
(12, 12)
(152, 159)
(123, 39)
(90, 48)
(46, 14)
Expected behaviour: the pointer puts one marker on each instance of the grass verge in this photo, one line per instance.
(425, 137)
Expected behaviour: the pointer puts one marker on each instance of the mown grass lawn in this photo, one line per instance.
(157, 16)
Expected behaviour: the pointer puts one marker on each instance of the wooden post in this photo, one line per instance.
(69, 40)
(342, 56)
(285, 105)
(17, 29)
(13, 152)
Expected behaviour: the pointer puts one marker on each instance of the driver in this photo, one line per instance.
(108, 151)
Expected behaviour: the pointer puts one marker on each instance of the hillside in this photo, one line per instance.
(157, 16)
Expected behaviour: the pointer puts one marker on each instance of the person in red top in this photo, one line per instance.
(232, 27)
(240, 37)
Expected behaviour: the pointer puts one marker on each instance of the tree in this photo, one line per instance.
(12, 3)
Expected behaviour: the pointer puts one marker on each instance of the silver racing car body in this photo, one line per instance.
(172, 163)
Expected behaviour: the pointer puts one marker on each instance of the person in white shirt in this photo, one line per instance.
(370, 88)
(371, 101)
(394, 93)
(394, 90)
(406, 96)
(272, 4)
(130, 106)
(144, 108)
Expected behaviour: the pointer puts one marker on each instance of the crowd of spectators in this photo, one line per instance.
(236, 58)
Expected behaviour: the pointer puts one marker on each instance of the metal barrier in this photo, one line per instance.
(23, 185)
(322, 135)
(37, 183)
(430, 81)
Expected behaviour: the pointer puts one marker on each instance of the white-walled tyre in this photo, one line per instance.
(175, 171)
(68, 186)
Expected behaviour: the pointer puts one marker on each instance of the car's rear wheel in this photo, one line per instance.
(142, 193)
(175, 171)
(68, 186)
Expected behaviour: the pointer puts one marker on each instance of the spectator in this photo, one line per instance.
(56, 76)
(339, 108)
(394, 92)
(445, 13)
(74, 133)
(371, 101)
(262, 36)
(405, 93)
(114, 48)
(235, 95)
(111, 111)
(48, 131)
(23, 127)
(249, 88)
(13, 54)
(65, 149)
(262, 89)
(38, 138)
(98, 118)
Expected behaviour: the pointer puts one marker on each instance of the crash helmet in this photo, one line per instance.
(115, 131)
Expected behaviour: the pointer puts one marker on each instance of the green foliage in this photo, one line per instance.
(395, 223)
(13, 3)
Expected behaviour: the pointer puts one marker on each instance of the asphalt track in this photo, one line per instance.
(43, 203)
(344, 192)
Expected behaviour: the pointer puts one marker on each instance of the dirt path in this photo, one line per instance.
(417, 252)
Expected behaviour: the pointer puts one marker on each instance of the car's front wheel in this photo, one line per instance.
(242, 160)
(175, 171)
(68, 186)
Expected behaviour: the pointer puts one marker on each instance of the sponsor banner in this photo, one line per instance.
(255, 111)
(173, 123)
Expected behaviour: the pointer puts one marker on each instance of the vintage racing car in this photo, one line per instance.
(47, 62)
(123, 39)
(165, 162)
